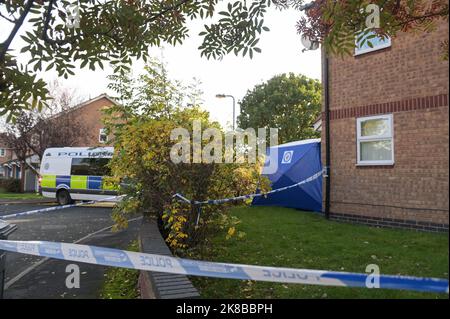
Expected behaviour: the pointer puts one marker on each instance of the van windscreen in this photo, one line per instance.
(90, 166)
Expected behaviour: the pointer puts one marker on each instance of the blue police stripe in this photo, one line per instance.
(94, 182)
(51, 249)
(62, 180)
(211, 269)
(111, 257)
(392, 282)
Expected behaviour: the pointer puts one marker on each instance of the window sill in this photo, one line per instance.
(374, 50)
(386, 165)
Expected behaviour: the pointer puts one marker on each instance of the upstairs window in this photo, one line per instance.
(375, 142)
(102, 136)
(2, 152)
(371, 42)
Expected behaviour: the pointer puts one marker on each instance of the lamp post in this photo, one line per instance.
(221, 96)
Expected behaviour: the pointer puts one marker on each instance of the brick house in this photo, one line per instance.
(389, 133)
(6, 155)
(90, 113)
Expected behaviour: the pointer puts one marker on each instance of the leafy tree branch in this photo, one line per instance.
(116, 31)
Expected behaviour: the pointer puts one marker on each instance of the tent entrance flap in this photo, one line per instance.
(295, 161)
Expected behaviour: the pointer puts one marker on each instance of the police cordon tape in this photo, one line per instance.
(161, 263)
(244, 197)
(49, 209)
(178, 195)
(199, 204)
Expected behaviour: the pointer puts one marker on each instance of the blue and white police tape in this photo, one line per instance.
(49, 209)
(244, 197)
(167, 264)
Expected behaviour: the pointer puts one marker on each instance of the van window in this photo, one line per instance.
(90, 166)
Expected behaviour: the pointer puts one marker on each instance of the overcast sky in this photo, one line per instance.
(281, 53)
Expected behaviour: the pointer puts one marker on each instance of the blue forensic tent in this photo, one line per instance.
(288, 164)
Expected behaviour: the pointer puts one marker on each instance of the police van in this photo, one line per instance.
(76, 173)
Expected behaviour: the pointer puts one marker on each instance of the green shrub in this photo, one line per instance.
(150, 108)
(142, 154)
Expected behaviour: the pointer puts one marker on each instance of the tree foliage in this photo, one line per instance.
(342, 24)
(66, 33)
(142, 124)
(150, 94)
(290, 103)
(108, 31)
(143, 156)
(34, 131)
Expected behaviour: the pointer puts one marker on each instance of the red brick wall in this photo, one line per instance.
(409, 80)
(8, 151)
(91, 116)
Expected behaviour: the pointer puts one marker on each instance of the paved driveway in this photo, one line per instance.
(35, 277)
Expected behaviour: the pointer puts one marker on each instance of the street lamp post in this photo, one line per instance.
(221, 96)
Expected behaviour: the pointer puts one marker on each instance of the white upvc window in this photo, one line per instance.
(2, 152)
(375, 140)
(102, 136)
(372, 42)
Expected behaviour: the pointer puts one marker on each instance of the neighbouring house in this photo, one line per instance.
(389, 133)
(91, 114)
(6, 155)
(93, 134)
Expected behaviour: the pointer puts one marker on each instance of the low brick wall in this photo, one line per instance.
(156, 285)
(389, 222)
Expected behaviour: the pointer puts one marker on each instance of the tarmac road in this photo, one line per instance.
(36, 277)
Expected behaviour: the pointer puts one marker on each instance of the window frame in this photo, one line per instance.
(88, 165)
(100, 133)
(374, 138)
(367, 50)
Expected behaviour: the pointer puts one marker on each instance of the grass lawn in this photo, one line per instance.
(5, 195)
(290, 238)
(121, 283)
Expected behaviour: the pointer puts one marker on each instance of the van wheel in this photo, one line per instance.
(63, 197)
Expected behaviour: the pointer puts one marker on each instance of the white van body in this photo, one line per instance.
(75, 173)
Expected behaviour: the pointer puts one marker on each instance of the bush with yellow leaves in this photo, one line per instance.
(142, 155)
(148, 110)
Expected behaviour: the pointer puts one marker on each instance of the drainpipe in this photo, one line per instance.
(325, 120)
(327, 131)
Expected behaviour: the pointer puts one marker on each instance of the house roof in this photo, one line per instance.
(101, 96)
(85, 103)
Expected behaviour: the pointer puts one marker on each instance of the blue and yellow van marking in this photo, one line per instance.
(48, 181)
(62, 180)
(79, 182)
(95, 182)
(75, 182)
